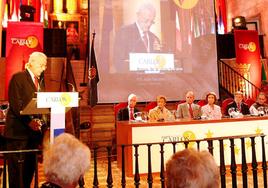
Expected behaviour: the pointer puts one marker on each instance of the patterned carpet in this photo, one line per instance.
(102, 176)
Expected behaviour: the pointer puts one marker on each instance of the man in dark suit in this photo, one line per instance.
(24, 131)
(128, 112)
(238, 104)
(135, 38)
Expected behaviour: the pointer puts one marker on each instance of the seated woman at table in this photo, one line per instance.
(211, 110)
(160, 112)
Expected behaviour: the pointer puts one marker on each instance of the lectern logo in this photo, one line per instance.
(186, 4)
(65, 99)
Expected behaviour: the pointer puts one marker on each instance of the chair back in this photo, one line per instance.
(202, 102)
(224, 104)
(119, 106)
(150, 106)
(249, 102)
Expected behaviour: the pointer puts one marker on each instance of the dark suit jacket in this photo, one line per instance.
(20, 92)
(128, 40)
(244, 108)
(123, 114)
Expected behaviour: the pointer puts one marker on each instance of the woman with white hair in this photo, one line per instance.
(65, 161)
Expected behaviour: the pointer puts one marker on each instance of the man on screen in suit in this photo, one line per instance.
(189, 109)
(24, 131)
(128, 112)
(238, 104)
(136, 38)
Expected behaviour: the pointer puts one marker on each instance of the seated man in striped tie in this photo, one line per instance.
(189, 110)
(128, 112)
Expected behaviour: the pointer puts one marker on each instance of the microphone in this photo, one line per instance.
(68, 83)
(73, 88)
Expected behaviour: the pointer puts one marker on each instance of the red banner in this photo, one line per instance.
(22, 39)
(247, 50)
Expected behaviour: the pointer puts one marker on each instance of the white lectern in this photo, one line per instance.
(59, 103)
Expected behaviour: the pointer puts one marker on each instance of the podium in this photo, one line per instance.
(55, 103)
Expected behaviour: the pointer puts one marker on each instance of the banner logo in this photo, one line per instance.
(251, 46)
(186, 4)
(30, 41)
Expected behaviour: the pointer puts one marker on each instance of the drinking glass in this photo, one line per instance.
(260, 111)
(4, 108)
(231, 111)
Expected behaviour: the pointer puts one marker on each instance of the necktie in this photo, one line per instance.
(131, 114)
(239, 107)
(145, 40)
(191, 111)
(36, 82)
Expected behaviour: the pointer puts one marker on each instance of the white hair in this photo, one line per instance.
(131, 96)
(34, 57)
(146, 6)
(66, 160)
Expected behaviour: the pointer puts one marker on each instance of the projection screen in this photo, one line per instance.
(154, 47)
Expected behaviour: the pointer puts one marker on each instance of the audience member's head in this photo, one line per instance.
(37, 63)
(132, 100)
(211, 98)
(238, 97)
(66, 160)
(161, 101)
(192, 169)
(261, 98)
(190, 97)
(145, 16)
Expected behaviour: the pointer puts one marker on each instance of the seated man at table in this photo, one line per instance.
(189, 109)
(238, 104)
(128, 112)
(259, 106)
(160, 112)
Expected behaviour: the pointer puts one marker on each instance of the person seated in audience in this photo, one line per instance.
(160, 112)
(192, 169)
(189, 109)
(211, 110)
(128, 112)
(260, 106)
(238, 104)
(65, 161)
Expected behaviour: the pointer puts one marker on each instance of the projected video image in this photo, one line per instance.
(151, 47)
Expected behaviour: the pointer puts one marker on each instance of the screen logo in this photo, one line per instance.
(186, 4)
